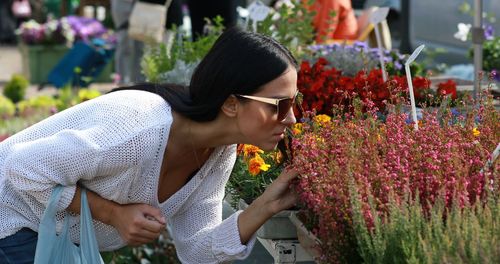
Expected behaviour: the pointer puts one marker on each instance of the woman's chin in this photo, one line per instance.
(269, 146)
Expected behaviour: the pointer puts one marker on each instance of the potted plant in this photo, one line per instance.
(47, 43)
(253, 171)
(362, 180)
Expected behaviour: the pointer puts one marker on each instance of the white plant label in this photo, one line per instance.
(379, 15)
(410, 84)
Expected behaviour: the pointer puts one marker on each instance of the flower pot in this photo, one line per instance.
(39, 60)
(307, 240)
(277, 227)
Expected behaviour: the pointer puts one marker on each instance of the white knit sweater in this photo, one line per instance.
(114, 145)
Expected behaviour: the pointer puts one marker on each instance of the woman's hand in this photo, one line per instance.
(138, 224)
(278, 196)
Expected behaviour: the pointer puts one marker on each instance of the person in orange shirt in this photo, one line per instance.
(341, 26)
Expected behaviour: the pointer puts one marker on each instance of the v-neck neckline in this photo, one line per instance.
(194, 180)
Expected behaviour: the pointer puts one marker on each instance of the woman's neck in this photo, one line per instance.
(204, 135)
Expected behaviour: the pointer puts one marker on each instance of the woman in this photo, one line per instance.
(152, 154)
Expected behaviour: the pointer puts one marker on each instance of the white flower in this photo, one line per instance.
(463, 31)
(243, 12)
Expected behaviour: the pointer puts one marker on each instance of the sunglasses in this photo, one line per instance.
(283, 105)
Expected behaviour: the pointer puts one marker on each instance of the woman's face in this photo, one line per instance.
(258, 121)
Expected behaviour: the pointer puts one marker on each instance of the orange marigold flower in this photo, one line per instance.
(257, 164)
(297, 128)
(250, 150)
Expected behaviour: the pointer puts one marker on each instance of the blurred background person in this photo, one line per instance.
(201, 9)
(7, 23)
(342, 25)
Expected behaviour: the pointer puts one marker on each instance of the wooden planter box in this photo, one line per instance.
(278, 227)
(39, 60)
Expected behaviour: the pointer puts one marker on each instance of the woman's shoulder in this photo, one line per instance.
(133, 104)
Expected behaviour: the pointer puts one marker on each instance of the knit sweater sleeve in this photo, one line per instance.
(201, 236)
(64, 158)
(71, 146)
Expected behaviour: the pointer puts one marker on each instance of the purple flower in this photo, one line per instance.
(398, 65)
(86, 28)
(495, 75)
(489, 32)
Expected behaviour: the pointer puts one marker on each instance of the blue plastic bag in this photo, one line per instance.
(58, 249)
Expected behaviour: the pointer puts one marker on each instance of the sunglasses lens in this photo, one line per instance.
(284, 107)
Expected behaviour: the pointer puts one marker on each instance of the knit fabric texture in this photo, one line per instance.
(114, 146)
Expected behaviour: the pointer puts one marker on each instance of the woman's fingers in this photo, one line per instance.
(140, 223)
(152, 225)
(288, 174)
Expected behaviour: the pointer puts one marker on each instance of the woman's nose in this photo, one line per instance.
(289, 118)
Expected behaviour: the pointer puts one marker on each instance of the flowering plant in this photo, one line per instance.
(253, 171)
(291, 23)
(62, 31)
(353, 58)
(176, 65)
(491, 57)
(50, 33)
(388, 163)
(326, 87)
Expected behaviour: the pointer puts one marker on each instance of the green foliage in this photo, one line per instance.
(293, 28)
(491, 54)
(15, 89)
(162, 251)
(12, 125)
(159, 59)
(243, 184)
(7, 107)
(406, 235)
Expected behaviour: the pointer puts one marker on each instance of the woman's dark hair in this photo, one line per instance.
(240, 62)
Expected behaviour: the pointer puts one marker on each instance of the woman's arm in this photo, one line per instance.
(66, 158)
(276, 198)
(137, 223)
(200, 234)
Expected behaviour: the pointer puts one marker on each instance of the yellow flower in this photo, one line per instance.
(476, 132)
(257, 164)
(277, 156)
(297, 128)
(320, 139)
(87, 94)
(322, 119)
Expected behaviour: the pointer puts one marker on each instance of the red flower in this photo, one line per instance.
(420, 85)
(324, 87)
(448, 87)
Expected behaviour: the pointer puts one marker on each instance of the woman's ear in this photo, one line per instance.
(230, 106)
